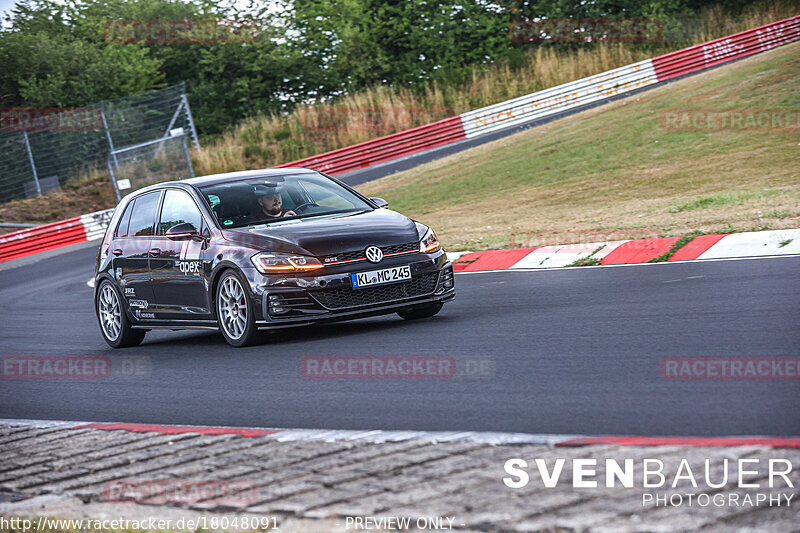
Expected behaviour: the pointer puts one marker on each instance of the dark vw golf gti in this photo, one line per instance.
(254, 250)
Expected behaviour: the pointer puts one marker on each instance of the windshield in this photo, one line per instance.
(269, 199)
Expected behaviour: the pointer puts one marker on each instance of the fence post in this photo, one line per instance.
(174, 117)
(189, 116)
(113, 179)
(33, 165)
(112, 152)
(186, 154)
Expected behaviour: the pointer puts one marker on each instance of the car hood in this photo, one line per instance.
(328, 235)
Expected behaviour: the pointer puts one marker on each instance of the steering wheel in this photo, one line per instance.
(304, 206)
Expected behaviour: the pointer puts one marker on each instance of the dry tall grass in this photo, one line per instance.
(271, 140)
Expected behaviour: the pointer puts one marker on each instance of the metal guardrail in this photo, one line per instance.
(629, 78)
(572, 95)
(51, 236)
(385, 148)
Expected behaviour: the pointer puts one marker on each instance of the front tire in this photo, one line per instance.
(420, 311)
(114, 324)
(235, 311)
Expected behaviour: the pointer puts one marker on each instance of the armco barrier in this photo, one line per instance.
(55, 235)
(726, 49)
(628, 78)
(385, 148)
(41, 239)
(468, 125)
(557, 99)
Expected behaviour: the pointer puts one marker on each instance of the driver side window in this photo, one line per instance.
(179, 208)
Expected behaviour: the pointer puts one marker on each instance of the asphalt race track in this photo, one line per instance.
(573, 351)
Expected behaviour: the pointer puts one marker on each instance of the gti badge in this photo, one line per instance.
(374, 254)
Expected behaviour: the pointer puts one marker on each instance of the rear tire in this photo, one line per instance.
(420, 311)
(114, 323)
(235, 311)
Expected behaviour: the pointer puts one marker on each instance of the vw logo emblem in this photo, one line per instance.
(374, 254)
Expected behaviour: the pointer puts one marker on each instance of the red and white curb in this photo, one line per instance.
(380, 436)
(771, 243)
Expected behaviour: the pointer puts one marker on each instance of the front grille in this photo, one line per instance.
(349, 297)
(359, 254)
(397, 248)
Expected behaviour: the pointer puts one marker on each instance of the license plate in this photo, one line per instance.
(379, 277)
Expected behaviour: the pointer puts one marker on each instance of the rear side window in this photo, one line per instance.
(122, 228)
(143, 216)
(179, 208)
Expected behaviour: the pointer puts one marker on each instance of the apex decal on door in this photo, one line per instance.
(190, 267)
(141, 304)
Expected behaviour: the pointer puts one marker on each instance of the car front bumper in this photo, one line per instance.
(284, 301)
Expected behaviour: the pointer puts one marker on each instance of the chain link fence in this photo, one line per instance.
(139, 140)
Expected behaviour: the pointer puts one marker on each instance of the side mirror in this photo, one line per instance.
(380, 202)
(184, 230)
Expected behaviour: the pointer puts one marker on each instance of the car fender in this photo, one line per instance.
(216, 271)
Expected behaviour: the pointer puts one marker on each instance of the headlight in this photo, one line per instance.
(429, 243)
(272, 262)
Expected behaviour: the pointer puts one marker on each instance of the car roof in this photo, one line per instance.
(242, 174)
(214, 179)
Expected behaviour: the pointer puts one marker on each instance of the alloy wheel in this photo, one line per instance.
(232, 307)
(110, 314)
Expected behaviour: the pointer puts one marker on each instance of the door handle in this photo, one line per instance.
(155, 251)
(117, 251)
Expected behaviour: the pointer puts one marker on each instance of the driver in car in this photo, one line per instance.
(270, 202)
